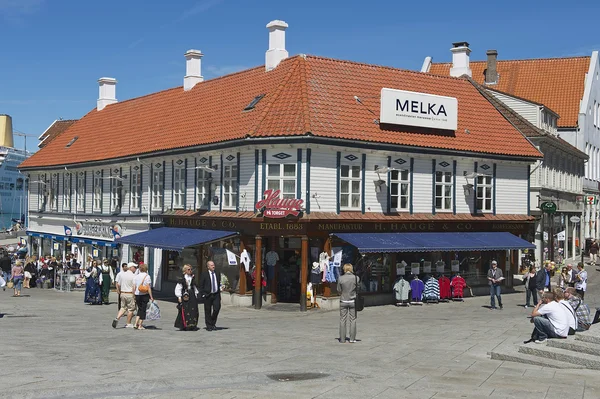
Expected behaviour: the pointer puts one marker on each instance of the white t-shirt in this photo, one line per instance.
(570, 313)
(581, 284)
(557, 314)
(126, 281)
(142, 278)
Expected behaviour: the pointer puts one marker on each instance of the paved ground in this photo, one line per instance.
(54, 346)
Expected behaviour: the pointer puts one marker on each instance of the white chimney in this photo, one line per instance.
(193, 69)
(460, 59)
(276, 52)
(107, 95)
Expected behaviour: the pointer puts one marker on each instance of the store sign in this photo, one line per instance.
(273, 206)
(409, 108)
(590, 199)
(98, 230)
(548, 207)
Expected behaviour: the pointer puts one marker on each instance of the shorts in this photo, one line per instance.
(128, 302)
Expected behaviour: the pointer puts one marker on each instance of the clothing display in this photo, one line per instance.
(245, 260)
(444, 283)
(431, 291)
(315, 274)
(458, 285)
(417, 286)
(402, 288)
(333, 273)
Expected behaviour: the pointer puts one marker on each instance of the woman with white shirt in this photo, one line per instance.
(187, 298)
(143, 294)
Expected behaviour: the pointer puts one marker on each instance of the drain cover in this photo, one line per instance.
(285, 377)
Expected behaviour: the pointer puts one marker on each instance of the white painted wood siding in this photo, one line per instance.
(145, 183)
(89, 191)
(323, 180)
(464, 203)
(247, 177)
(511, 188)
(375, 202)
(168, 184)
(526, 109)
(422, 190)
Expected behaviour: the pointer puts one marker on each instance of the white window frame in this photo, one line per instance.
(179, 178)
(483, 184)
(115, 193)
(136, 189)
(80, 186)
(42, 190)
(203, 179)
(67, 192)
(230, 189)
(158, 189)
(97, 193)
(278, 180)
(353, 187)
(399, 180)
(54, 192)
(445, 197)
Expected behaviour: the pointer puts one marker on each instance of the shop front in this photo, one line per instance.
(286, 249)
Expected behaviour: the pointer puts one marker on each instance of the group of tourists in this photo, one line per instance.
(538, 282)
(134, 289)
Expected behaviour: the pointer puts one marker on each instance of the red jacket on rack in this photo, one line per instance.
(444, 287)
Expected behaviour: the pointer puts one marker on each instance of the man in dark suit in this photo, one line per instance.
(210, 292)
(542, 280)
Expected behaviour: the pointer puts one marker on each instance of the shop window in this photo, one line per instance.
(485, 189)
(53, 194)
(157, 189)
(179, 187)
(282, 177)
(350, 182)
(81, 192)
(136, 188)
(67, 192)
(374, 271)
(115, 194)
(97, 192)
(174, 262)
(443, 190)
(19, 184)
(230, 174)
(203, 180)
(399, 189)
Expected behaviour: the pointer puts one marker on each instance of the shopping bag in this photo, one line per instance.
(2, 282)
(153, 311)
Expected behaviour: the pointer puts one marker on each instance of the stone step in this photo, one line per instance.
(588, 336)
(591, 348)
(561, 356)
(513, 355)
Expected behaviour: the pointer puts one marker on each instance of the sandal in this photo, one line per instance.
(141, 328)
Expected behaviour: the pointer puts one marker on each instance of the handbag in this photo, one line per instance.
(10, 284)
(144, 288)
(359, 300)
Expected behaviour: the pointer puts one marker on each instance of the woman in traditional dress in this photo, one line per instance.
(187, 297)
(93, 294)
(30, 271)
(106, 279)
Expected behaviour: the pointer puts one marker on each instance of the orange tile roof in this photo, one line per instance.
(558, 83)
(57, 127)
(304, 96)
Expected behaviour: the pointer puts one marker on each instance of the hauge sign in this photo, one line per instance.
(409, 108)
(273, 206)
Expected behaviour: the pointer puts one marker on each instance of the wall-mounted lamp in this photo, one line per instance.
(383, 169)
(207, 168)
(316, 195)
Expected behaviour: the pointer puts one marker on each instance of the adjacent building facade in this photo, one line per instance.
(284, 160)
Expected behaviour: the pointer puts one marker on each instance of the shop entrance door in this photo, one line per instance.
(282, 268)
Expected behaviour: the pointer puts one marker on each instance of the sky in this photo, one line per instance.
(54, 51)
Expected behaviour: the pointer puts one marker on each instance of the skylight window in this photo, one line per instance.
(70, 143)
(254, 102)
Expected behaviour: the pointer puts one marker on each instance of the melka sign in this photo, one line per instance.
(408, 108)
(272, 206)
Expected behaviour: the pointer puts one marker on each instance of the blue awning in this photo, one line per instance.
(429, 242)
(91, 241)
(47, 235)
(173, 238)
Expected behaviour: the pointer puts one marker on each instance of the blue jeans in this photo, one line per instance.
(543, 328)
(495, 292)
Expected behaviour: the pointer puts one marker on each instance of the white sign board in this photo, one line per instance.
(426, 267)
(415, 268)
(454, 265)
(574, 219)
(409, 108)
(439, 266)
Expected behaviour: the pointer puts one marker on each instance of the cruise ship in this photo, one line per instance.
(13, 190)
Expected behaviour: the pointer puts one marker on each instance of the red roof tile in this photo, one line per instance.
(558, 83)
(56, 128)
(303, 96)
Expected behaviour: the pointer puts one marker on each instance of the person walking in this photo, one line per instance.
(495, 277)
(93, 293)
(5, 266)
(594, 252)
(348, 285)
(187, 301)
(16, 276)
(106, 279)
(30, 272)
(125, 288)
(211, 294)
(530, 287)
(143, 294)
(581, 281)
